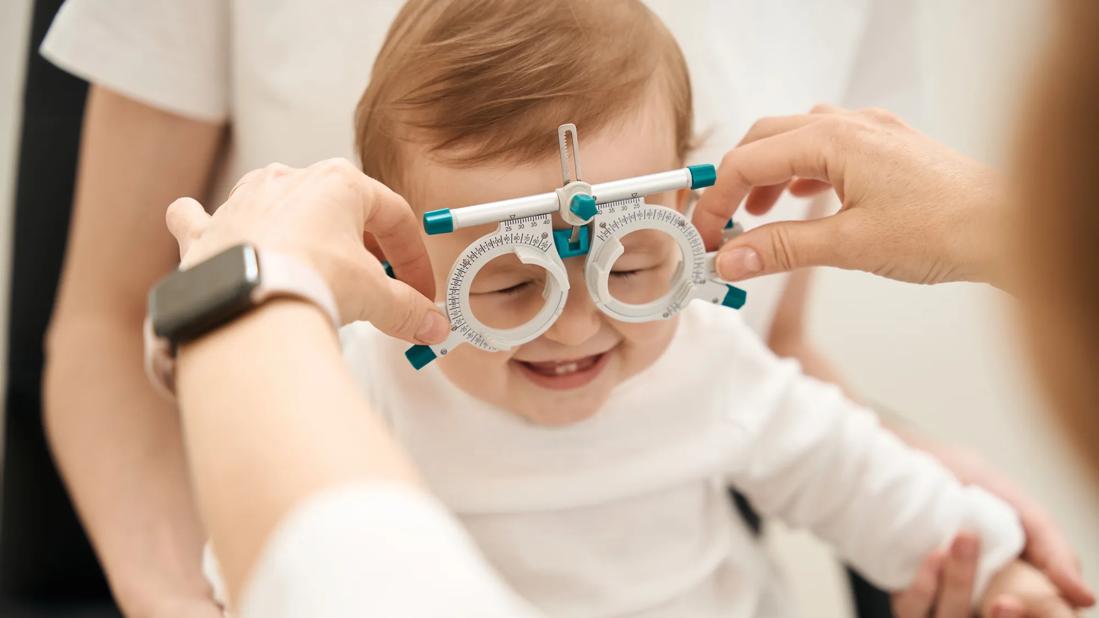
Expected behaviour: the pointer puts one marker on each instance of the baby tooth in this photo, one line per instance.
(566, 368)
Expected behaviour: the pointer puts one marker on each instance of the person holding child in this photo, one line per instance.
(628, 358)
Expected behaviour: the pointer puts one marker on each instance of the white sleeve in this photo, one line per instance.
(814, 459)
(170, 54)
(374, 550)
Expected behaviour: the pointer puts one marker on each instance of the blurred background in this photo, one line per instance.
(941, 357)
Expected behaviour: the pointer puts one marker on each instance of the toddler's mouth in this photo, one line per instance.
(564, 374)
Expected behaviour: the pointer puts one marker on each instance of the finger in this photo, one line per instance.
(1007, 607)
(805, 187)
(1070, 583)
(804, 152)
(373, 247)
(400, 311)
(397, 231)
(828, 108)
(1050, 552)
(186, 220)
(916, 600)
(1048, 607)
(1058, 566)
(761, 199)
(781, 247)
(389, 218)
(769, 126)
(278, 169)
(245, 179)
(958, 574)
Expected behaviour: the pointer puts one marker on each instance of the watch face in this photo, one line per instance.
(191, 302)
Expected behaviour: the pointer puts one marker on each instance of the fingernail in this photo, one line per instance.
(432, 329)
(738, 264)
(965, 548)
(1088, 593)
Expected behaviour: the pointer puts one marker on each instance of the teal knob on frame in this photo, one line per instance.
(583, 206)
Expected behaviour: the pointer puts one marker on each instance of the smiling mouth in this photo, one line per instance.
(564, 374)
(560, 368)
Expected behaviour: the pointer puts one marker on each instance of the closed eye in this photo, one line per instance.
(625, 274)
(513, 290)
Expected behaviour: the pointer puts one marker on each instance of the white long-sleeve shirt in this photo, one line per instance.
(627, 513)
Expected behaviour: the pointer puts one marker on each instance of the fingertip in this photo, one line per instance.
(826, 108)
(738, 262)
(759, 207)
(965, 547)
(934, 561)
(433, 328)
(1007, 607)
(185, 218)
(399, 310)
(1087, 597)
(708, 223)
(180, 209)
(1072, 586)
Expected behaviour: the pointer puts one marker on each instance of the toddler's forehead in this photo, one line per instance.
(642, 141)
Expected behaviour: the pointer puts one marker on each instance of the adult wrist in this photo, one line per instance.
(981, 241)
(210, 295)
(264, 323)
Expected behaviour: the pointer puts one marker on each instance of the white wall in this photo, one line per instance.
(14, 30)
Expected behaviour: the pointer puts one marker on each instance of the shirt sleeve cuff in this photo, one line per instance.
(378, 549)
(86, 48)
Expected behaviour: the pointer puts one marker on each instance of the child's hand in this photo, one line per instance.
(1020, 591)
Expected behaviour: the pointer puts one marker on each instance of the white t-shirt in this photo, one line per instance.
(628, 512)
(286, 75)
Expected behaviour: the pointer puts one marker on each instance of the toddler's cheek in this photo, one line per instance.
(645, 342)
(475, 371)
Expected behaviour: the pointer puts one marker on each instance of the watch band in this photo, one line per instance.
(280, 275)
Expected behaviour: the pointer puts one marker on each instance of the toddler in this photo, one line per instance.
(592, 464)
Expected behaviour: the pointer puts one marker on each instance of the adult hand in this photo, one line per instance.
(1046, 548)
(1020, 591)
(913, 209)
(945, 580)
(320, 214)
(944, 584)
(944, 587)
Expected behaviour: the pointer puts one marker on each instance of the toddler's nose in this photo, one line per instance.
(581, 319)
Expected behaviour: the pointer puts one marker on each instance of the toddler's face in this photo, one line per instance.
(567, 373)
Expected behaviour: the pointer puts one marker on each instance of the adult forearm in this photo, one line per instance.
(119, 449)
(272, 416)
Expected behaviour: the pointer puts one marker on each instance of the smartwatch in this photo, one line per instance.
(189, 303)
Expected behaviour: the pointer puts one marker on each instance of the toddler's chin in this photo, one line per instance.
(559, 407)
(563, 415)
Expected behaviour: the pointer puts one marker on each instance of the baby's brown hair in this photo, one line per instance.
(473, 81)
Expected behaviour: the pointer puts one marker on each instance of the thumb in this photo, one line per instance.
(780, 247)
(186, 220)
(398, 310)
